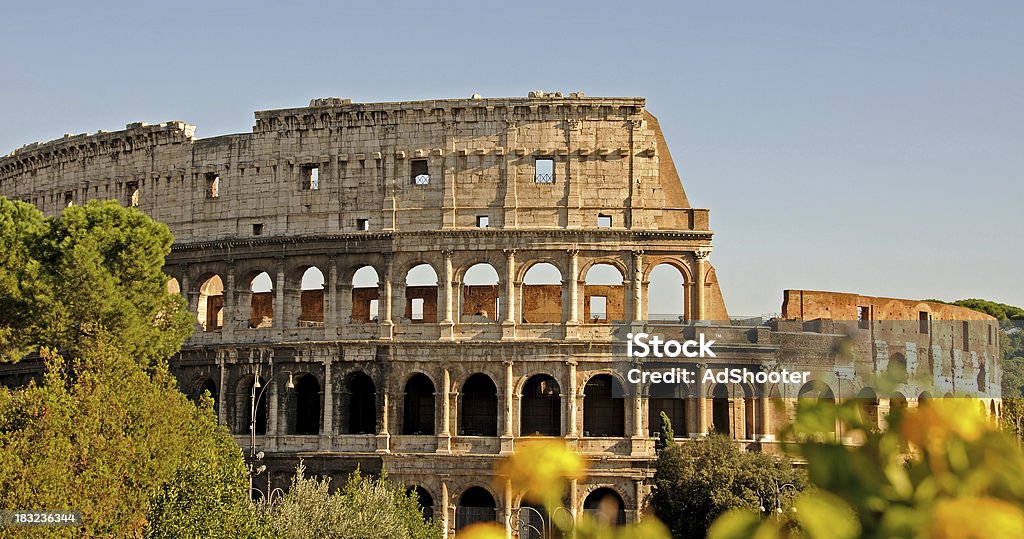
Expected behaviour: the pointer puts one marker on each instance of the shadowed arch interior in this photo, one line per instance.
(479, 413)
(475, 505)
(606, 506)
(418, 416)
(604, 408)
(541, 407)
(359, 403)
(304, 406)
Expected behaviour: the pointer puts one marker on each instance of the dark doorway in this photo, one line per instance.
(541, 407)
(720, 410)
(305, 406)
(360, 404)
(419, 406)
(475, 505)
(479, 406)
(606, 506)
(603, 413)
(425, 501)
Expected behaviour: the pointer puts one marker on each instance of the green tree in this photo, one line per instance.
(364, 507)
(698, 481)
(95, 269)
(105, 431)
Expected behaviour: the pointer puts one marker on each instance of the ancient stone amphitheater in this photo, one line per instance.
(421, 286)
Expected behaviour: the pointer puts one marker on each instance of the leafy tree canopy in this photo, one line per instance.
(95, 269)
(698, 481)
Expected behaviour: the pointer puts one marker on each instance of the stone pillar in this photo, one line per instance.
(445, 510)
(448, 277)
(637, 285)
(331, 299)
(571, 329)
(385, 303)
(231, 314)
(222, 409)
(701, 403)
(573, 424)
(507, 513)
(764, 425)
(510, 285)
(279, 307)
(383, 435)
(700, 259)
(328, 426)
(444, 438)
(507, 435)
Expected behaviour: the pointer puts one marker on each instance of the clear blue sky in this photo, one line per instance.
(866, 147)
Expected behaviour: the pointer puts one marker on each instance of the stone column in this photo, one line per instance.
(509, 320)
(701, 403)
(507, 435)
(638, 285)
(507, 513)
(700, 259)
(765, 427)
(444, 438)
(328, 427)
(573, 281)
(383, 435)
(331, 299)
(573, 424)
(386, 324)
(445, 510)
(279, 307)
(448, 277)
(222, 409)
(230, 311)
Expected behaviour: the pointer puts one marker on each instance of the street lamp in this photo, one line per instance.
(778, 496)
(253, 404)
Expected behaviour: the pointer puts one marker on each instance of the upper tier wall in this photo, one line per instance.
(480, 156)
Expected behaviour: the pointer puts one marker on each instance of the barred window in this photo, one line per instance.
(545, 171)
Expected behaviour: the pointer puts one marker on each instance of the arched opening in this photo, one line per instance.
(244, 402)
(542, 295)
(981, 378)
(541, 407)
(360, 405)
(207, 386)
(670, 399)
(311, 299)
(421, 294)
(923, 398)
(531, 521)
(479, 411)
(173, 286)
(606, 507)
(897, 368)
(418, 406)
(262, 301)
(720, 410)
(666, 294)
(210, 313)
(475, 505)
(604, 408)
(603, 295)
(304, 406)
(897, 404)
(424, 500)
(365, 294)
(868, 400)
(480, 294)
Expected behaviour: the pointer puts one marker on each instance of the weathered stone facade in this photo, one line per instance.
(436, 380)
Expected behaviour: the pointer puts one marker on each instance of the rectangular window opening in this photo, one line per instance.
(257, 229)
(420, 172)
(966, 335)
(990, 334)
(69, 199)
(482, 221)
(545, 171)
(598, 308)
(363, 225)
(311, 178)
(417, 309)
(133, 194)
(604, 221)
(374, 305)
(922, 322)
(212, 185)
(863, 317)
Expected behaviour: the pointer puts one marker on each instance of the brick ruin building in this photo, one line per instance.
(420, 286)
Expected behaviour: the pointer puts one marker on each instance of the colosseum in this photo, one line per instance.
(421, 286)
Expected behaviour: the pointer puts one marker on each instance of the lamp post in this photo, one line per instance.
(778, 496)
(253, 404)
